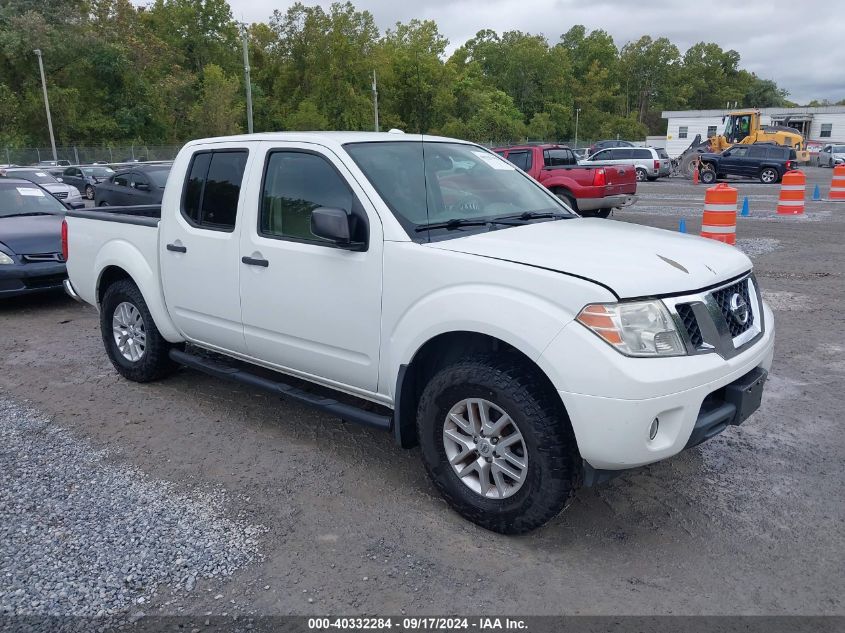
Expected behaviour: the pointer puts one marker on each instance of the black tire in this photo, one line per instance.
(89, 192)
(567, 199)
(642, 174)
(554, 465)
(652, 178)
(769, 175)
(603, 213)
(707, 176)
(154, 363)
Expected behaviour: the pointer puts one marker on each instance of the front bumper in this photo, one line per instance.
(22, 279)
(612, 399)
(608, 202)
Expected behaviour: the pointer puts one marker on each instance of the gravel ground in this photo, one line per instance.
(80, 536)
(749, 523)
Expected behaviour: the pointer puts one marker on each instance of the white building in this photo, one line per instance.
(819, 126)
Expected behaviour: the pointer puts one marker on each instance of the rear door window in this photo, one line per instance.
(559, 157)
(621, 154)
(757, 152)
(210, 198)
(641, 153)
(521, 158)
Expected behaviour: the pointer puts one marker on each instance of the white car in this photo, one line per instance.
(832, 155)
(528, 350)
(62, 191)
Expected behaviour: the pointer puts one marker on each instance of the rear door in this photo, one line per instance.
(199, 242)
(310, 307)
(118, 190)
(755, 159)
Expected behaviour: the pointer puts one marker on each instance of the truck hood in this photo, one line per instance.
(630, 260)
(31, 234)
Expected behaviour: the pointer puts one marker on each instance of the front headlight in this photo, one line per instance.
(634, 328)
(74, 193)
(5, 260)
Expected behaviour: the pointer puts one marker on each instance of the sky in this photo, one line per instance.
(800, 45)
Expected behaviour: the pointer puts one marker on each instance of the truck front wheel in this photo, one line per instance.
(497, 443)
(133, 343)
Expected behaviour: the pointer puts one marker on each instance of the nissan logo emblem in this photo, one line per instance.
(739, 309)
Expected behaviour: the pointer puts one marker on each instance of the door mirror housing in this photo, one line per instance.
(336, 226)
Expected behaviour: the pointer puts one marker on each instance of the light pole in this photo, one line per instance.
(37, 52)
(375, 99)
(577, 112)
(247, 81)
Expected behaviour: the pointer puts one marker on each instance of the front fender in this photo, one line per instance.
(124, 255)
(522, 319)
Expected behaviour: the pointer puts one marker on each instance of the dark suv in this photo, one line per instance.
(766, 161)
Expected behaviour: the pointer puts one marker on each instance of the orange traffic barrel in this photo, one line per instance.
(791, 201)
(837, 185)
(719, 221)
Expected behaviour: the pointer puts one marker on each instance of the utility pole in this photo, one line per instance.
(375, 99)
(247, 80)
(577, 112)
(37, 52)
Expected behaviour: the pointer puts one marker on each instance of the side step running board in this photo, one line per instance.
(279, 388)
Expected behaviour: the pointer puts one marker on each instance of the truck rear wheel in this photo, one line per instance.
(133, 343)
(497, 444)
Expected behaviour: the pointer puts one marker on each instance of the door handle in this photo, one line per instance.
(176, 248)
(253, 261)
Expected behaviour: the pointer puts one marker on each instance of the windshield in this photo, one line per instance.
(434, 182)
(33, 175)
(838, 149)
(158, 176)
(98, 172)
(24, 199)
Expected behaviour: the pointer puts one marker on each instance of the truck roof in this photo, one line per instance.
(532, 146)
(332, 138)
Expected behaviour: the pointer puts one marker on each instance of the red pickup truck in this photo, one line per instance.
(588, 190)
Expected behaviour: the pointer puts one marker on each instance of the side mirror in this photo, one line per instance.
(335, 225)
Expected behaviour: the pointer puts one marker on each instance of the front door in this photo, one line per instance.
(309, 306)
(199, 250)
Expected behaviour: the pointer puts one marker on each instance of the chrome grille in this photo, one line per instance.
(723, 300)
(61, 195)
(43, 257)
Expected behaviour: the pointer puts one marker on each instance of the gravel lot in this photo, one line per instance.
(297, 512)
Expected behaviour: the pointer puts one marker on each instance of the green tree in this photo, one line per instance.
(218, 110)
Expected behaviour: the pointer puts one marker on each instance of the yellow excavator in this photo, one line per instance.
(742, 127)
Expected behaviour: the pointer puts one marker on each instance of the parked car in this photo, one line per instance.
(138, 185)
(52, 163)
(86, 178)
(30, 239)
(647, 161)
(526, 349)
(62, 191)
(766, 161)
(832, 155)
(588, 190)
(609, 143)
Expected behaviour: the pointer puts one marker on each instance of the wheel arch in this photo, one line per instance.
(436, 353)
(117, 262)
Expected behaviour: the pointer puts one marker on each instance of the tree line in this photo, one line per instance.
(172, 70)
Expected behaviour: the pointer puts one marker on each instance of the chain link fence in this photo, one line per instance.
(79, 155)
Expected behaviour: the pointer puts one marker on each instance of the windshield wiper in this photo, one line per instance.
(536, 215)
(457, 223)
(18, 215)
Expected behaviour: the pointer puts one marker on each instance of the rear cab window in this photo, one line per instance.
(521, 158)
(213, 188)
(560, 157)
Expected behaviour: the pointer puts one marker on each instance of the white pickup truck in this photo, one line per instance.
(427, 287)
